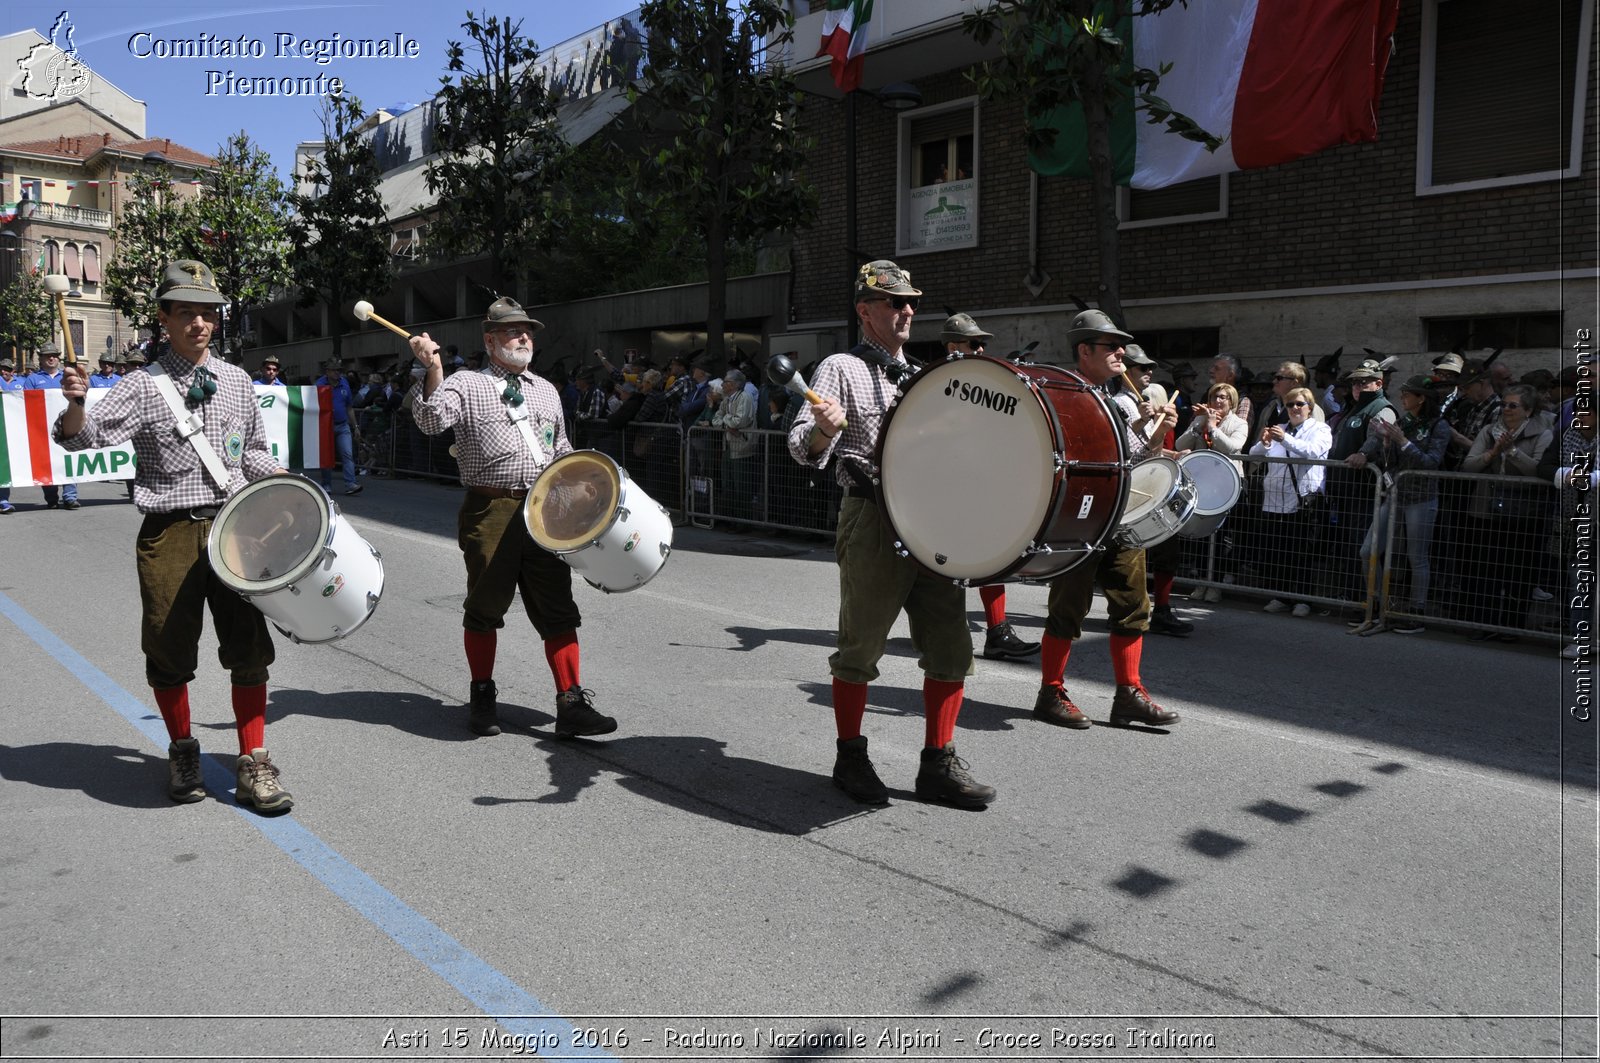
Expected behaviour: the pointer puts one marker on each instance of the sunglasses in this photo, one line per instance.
(1115, 345)
(1297, 405)
(1283, 376)
(1511, 406)
(900, 302)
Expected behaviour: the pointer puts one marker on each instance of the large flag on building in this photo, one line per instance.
(298, 420)
(1279, 79)
(844, 36)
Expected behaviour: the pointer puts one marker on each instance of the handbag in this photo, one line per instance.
(1314, 506)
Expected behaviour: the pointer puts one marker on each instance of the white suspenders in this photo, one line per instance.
(188, 425)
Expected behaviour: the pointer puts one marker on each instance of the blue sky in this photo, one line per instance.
(176, 89)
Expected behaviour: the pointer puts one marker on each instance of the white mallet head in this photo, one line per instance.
(57, 283)
(363, 310)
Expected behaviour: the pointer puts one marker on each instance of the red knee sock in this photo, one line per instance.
(849, 706)
(174, 705)
(994, 604)
(562, 653)
(1125, 651)
(941, 704)
(480, 653)
(1164, 587)
(1053, 654)
(250, 714)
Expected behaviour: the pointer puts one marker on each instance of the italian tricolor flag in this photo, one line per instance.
(844, 36)
(1279, 79)
(298, 422)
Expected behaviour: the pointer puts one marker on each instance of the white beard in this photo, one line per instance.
(517, 360)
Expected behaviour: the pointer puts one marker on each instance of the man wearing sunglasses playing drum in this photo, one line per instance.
(875, 584)
(180, 483)
(1100, 346)
(509, 426)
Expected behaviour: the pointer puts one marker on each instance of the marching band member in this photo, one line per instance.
(875, 585)
(1099, 347)
(508, 425)
(179, 485)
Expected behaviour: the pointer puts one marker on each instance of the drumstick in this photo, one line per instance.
(781, 371)
(57, 284)
(363, 312)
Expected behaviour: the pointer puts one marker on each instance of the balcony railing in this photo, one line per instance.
(58, 212)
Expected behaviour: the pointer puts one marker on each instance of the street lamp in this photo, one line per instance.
(897, 96)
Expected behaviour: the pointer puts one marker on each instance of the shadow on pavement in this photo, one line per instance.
(116, 775)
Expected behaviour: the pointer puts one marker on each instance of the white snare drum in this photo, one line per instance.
(1161, 499)
(1218, 484)
(585, 509)
(280, 543)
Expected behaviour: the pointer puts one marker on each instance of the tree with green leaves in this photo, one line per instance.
(242, 219)
(500, 153)
(156, 225)
(27, 312)
(1057, 54)
(339, 232)
(721, 146)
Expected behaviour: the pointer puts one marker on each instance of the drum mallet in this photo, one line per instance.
(781, 371)
(363, 312)
(58, 285)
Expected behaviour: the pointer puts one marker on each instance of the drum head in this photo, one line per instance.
(1149, 486)
(968, 464)
(270, 534)
(574, 501)
(1216, 479)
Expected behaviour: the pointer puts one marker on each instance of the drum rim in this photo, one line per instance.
(255, 588)
(1202, 457)
(619, 476)
(1052, 511)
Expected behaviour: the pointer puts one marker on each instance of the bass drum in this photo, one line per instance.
(585, 509)
(281, 544)
(995, 471)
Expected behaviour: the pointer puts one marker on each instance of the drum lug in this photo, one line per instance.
(900, 549)
(623, 514)
(1062, 464)
(666, 548)
(329, 556)
(372, 599)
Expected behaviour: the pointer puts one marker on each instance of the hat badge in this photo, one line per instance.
(193, 269)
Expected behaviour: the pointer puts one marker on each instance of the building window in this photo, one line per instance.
(91, 268)
(73, 266)
(1502, 93)
(1506, 331)
(30, 188)
(1195, 345)
(1205, 199)
(52, 257)
(939, 177)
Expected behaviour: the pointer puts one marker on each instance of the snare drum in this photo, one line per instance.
(281, 544)
(1161, 499)
(995, 471)
(1218, 484)
(586, 510)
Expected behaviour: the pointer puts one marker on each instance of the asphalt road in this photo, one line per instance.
(1348, 847)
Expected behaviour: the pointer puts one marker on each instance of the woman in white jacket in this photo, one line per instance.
(1292, 504)
(1216, 426)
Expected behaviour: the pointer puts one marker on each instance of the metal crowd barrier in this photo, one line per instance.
(1498, 573)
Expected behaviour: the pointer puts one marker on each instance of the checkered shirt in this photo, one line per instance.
(866, 395)
(490, 450)
(170, 474)
(1138, 447)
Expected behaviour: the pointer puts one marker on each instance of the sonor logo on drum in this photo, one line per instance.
(997, 401)
(334, 586)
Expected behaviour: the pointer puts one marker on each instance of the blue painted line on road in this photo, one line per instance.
(512, 1007)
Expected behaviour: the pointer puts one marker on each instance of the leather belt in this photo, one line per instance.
(194, 513)
(868, 493)
(498, 492)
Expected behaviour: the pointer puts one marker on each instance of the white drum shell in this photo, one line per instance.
(1218, 485)
(328, 595)
(1168, 503)
(627, 551)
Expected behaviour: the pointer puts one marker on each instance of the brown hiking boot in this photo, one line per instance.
(1133, 705)
(185, 783)
(258, 783)
(1053, 706)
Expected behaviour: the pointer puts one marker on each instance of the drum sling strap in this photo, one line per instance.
(894, 372)
(517, 411)
(190, 426)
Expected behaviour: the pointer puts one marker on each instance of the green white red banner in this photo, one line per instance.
(298, 420)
